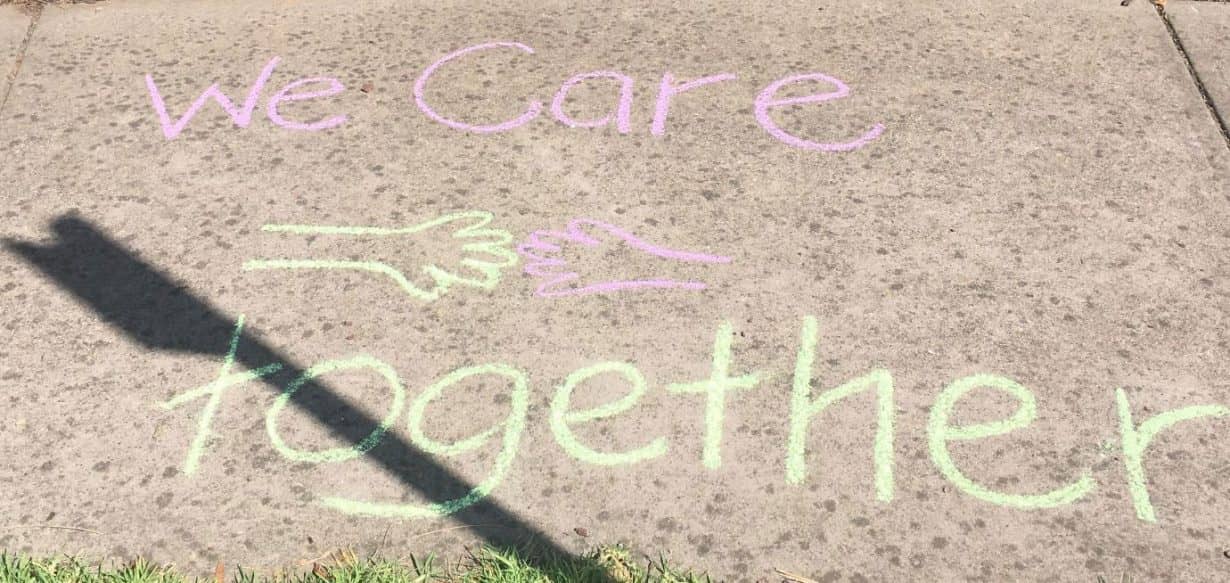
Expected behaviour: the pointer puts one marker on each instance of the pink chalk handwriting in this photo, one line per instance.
(542, 253)
(667, 91)
(242, 115)
(766, 100)
(669, 88)
(420, 90)
(623, 113)
(285, 94)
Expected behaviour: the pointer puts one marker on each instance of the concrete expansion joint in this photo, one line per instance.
(36, 11)
(1222, 123)
(1162, 3)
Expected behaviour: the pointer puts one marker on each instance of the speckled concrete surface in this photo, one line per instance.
(1047, 202)
(1204, 28)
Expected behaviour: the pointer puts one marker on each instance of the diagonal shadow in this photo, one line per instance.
(162, 314)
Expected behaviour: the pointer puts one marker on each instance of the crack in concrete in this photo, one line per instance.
(11, 80)
(1218, 118)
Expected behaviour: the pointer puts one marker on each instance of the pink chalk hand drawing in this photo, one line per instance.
(542, 253)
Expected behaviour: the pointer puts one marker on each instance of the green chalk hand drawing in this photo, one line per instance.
(488, 253)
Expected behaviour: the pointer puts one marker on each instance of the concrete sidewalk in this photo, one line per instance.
(300, 275)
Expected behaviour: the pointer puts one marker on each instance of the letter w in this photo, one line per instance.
(241, 116)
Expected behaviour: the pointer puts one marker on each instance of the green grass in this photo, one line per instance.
(613, 564)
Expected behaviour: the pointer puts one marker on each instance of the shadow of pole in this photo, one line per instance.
(161, 314)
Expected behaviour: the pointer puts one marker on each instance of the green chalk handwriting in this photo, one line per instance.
(939, 433)
(562, 418)
(214, 390)
(513, 426)
(336, 454)
(715, 388)
(803, 408)
(1135, 441)
(490, 254)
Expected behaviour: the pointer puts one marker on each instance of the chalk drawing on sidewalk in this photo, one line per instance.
(543, 259)
(226, 379)
(806, 406)
(488, 252)
(512, 426)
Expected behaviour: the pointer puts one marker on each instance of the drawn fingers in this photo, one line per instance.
(582, 226)
(543, 255)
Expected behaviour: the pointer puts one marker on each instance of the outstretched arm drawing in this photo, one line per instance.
(487, 253)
